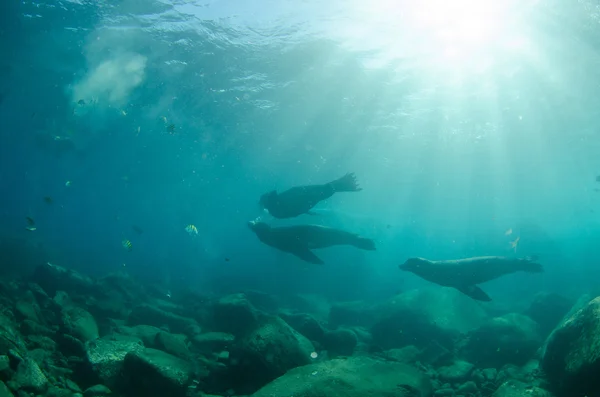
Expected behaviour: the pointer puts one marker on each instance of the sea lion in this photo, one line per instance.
(300, 240)
(301, 199)
(464, 274)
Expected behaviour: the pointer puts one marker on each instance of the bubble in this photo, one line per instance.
(314, 355)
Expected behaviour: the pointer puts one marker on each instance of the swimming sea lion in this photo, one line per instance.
(464, 274)
(300, 199)
(300, 240)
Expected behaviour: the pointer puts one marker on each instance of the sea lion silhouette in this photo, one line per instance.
(301, 199)
(464, 274)
(300, 240)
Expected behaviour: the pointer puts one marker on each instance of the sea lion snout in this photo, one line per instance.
(257, 226)
(410, 265)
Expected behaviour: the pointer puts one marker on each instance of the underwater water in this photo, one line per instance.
(137, 138)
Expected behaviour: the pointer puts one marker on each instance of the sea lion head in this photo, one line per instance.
(413, 265)
(258, 227)
(267, 199)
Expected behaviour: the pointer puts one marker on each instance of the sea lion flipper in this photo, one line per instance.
(475, 292)
(308, 256)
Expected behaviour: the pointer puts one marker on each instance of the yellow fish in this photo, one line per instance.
(127, 245)
(192, 230)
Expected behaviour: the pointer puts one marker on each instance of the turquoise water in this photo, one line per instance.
(462, 122)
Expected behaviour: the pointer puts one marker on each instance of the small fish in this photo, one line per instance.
(171, 129)
(508, 232)
(68, 183)
(123, 113)
(81, 102)
(31, 228)
(192, 230)
(30, 221)
(137, 131)
(513, 244)
(164, 119)
(127, 245)
(48, 200)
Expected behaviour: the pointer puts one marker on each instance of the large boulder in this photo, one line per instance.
(352, 377)
(509, 339)
(29, 377)
(274, 348)
(54, 278)
(266, 352)
(80, 324)
(352, 314)
(547, 309)
(235, 314)
(106, 356)
(572, 353)
(417, 317)
(306, 324)
(514, 388)
(151, 315)
(340, 342)
(151, 372)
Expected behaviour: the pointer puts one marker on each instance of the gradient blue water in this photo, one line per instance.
(268, 95)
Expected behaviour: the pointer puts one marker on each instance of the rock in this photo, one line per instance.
(80, 324)
(54, 278)
(27, 308)
(30, 377)
(152, 372)
(4, 391)
(274, 348)
(146, 333)
(97, 391)
(417, 317)
(107, 355)
(305, 324)
(445, 392)
(172, 344)
(111, 304)
(515, 388)
(459, 371)
(29, 327)
(10, 339)
(489, 373)
(262, 301)
(571, 358)
(352, 377)
(4, 367)
(211, 342)
(150, 315)
(340, 342)
(408, 355)
(510, 339)
(72, 386)
(54, 391)
(547, 309)
(468, 389)
(235, 314)
(357, 314)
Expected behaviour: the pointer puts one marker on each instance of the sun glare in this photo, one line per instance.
(457, 33)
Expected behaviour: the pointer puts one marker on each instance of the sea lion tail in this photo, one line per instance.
(529, 265)
(347, 183)
(364, 243)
